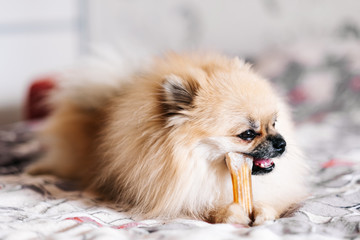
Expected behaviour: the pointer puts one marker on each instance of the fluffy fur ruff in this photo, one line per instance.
(155, 141)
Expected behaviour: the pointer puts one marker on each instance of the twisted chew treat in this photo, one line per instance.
(240, 169)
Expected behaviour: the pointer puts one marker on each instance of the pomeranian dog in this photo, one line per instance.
(155, 141)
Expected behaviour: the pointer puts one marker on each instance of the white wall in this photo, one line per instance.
(37, 37)
(232, 26)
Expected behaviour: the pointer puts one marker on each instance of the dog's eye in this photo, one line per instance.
(273, 124)
(248, 135)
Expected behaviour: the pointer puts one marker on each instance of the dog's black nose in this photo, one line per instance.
(278, 143)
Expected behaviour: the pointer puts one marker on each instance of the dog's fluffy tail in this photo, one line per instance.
(81, 91)
(95, 79)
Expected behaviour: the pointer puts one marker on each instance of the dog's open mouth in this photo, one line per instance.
(262, 166)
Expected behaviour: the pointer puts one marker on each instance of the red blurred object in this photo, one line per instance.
(336, 163)
(355, 84)
(297, 96)
(36, 106)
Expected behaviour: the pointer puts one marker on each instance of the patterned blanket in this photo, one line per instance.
(50, 208)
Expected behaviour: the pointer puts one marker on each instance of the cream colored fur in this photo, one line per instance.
(127, 141)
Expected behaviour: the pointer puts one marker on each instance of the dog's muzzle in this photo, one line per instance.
(273, 146)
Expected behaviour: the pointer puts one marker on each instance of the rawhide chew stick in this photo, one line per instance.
(240, 166)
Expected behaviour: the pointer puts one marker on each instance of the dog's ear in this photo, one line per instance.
(177, 98)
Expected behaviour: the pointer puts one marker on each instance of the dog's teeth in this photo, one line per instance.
(262, 165)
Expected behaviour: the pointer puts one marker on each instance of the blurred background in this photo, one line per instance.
(311, 47)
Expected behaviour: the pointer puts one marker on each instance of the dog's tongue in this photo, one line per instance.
(263, 163)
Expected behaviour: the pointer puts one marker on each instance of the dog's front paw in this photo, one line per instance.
(263, 213)
(232, 213)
